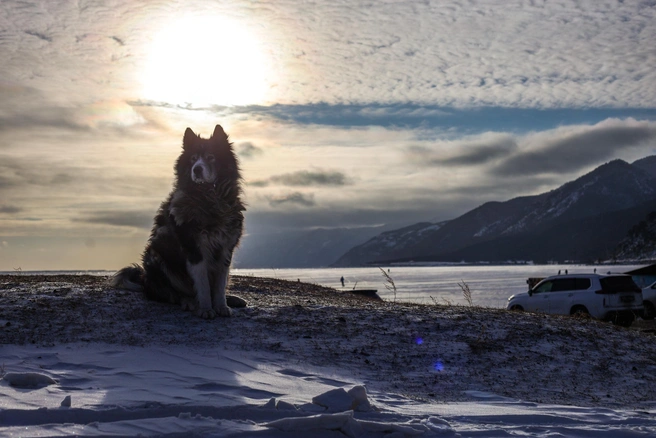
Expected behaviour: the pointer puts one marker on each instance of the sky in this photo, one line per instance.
(342, 113)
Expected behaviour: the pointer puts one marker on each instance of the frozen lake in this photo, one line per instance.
(490, 285)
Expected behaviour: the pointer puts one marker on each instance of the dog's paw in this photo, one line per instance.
(206, 313)
(223, 311)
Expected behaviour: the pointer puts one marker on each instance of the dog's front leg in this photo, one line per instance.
(219, 303)
(198, 273)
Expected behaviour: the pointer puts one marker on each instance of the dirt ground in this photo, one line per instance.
(434, 352)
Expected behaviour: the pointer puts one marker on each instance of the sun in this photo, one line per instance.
(208, 60)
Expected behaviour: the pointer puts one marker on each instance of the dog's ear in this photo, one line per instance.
(188, 138)
(219, 134)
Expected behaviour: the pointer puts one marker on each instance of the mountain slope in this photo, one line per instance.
(648, 164)
(379, 245)
(293, 249)
(578, 240)
(501, 227)
(640, 241)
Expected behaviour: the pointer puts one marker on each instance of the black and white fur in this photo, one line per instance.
(188, 256)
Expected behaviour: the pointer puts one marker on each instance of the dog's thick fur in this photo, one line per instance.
(188, 256)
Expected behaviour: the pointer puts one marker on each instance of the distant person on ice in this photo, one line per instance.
(342, 280)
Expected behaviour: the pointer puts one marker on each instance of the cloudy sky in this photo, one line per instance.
(343, 113)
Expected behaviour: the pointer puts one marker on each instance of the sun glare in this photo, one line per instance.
(205, 61)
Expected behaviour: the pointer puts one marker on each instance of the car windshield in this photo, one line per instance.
(545, 286)
(619, 283)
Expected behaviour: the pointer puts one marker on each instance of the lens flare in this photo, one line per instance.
(438, 366)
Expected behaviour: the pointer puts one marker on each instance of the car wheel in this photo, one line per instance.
(650, 311)
(580, 312)
(517, 308)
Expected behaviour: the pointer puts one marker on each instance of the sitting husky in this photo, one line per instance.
(187, 258)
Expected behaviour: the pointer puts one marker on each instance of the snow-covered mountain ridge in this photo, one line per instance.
(580, 220)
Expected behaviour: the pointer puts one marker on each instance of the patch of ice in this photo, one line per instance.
(285, 406)
(345, 423)
(339, 400)
(335, 400)
(360, 400)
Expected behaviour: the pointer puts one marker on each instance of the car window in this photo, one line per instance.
(619, 283)
(564, 284)
(582, 283)
(544, 287)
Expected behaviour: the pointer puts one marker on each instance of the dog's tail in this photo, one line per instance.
(131, 278)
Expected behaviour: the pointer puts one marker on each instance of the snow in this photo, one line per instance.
(28, 380)
(183, 376)
(112, 390)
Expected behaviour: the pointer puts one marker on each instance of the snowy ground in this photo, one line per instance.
(80, 358)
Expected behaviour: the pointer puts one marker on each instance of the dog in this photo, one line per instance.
(196, 230)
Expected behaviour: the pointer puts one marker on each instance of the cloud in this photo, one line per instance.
(22, 172)
(453, 54)
(258, 183)
(9, 209)
(118, 40)
(126, 218)
(475, 53)
(306, 178)
(28, 108)
(562, 151)
(484, 54)
(570, 149)
(295, 198)
(39, 35)
(479, 151)
(484, 153)
(309, 178)
(248, 150)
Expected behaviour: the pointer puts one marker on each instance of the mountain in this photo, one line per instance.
(293, 249)
(379, 246)
(648, 164)
(640, 241)
(581, 220)
(580, 240)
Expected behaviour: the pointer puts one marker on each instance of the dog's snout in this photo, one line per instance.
(198, 171)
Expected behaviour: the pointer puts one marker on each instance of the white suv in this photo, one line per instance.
(649, 301)
(613, 298)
